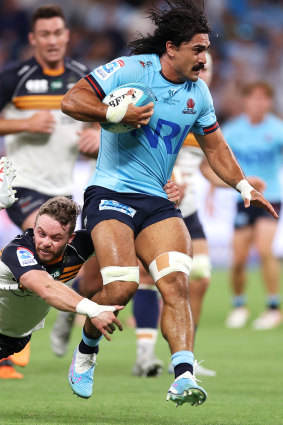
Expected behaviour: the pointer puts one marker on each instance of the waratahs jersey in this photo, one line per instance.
(22, 311)
(259, 150)
(142, 160)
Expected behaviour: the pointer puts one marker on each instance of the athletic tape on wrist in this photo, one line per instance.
(115, 114)
(245, 189)
(91, 309)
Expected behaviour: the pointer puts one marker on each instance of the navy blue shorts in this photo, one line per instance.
(10, 345)
(248, 216)
(136, 210)
(194, 226)
(28, 201)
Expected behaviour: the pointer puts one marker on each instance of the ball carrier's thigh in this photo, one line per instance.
(165, 247)
(115, 250)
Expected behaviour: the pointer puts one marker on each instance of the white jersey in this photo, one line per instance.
(188, 162)
(44, 162)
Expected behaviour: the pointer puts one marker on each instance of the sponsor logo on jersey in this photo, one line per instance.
(56, 85)
(145, 64)
(116, 206)
(169, 100)
(55, 274)
(105, 71)
(172, 92)
(37, 86)
(25, 257)
(190, 107)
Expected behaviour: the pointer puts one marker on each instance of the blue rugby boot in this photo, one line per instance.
(81, 373)
(185, 390)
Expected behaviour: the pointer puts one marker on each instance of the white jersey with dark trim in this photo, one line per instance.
(44, 162)
(188, 163)
(22, 311)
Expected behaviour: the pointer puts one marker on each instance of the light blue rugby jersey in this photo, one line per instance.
(142, 160)
(259, 150)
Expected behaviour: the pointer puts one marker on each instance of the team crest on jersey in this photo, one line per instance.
(25, 257)
(105, 71)
(190, 107)
(116, 206)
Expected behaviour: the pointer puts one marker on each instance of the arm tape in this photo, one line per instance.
(245, 189)
(115, 114)
(92, 309)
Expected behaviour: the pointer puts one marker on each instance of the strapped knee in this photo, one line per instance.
(201, 267)
(126, 274)
(169, 262)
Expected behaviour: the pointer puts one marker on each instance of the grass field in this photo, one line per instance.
(246, 390)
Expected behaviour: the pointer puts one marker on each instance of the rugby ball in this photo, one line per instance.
(142, 96)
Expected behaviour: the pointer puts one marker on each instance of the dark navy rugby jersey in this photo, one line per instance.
(28, 86)
(20, 256)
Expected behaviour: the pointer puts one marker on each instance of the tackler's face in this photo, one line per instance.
(50, 238)
(189, 58)
(50, 38)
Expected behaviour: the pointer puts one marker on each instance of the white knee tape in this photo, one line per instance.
(127, 274)
(169, 262)
(201, 267)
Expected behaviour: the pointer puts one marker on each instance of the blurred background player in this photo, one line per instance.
(256, 137)
(41, 141)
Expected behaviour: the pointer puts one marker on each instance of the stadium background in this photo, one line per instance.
(246, 45)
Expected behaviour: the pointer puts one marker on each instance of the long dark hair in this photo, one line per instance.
(179, 23)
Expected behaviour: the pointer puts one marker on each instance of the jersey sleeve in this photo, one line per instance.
(19, 259)
(206, 122)
(107, 77)
(82, 242)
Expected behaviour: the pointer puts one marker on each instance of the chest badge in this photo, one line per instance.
(190, 107)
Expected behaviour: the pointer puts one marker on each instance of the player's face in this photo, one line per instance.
(50, 238)
(50, 38)
(258, 103)
(189, 58)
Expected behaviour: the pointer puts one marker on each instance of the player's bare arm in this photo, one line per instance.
(40, 122)
(81, 103)
(210, 175)
(224, 164)
(64, 298)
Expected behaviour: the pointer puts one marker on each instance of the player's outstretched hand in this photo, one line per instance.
(259, 201)
(106, 322)
(7, 175)
(172, 192)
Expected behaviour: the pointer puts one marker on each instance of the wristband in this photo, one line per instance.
(92, 309)
(245, 189)
(115, 114)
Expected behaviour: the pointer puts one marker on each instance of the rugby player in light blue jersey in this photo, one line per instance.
(256, 137)
(127, 211)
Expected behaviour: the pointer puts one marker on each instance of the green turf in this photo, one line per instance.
(247, 389)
